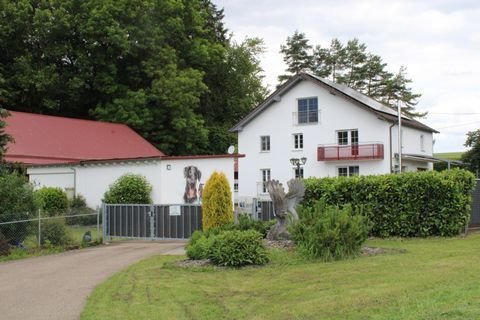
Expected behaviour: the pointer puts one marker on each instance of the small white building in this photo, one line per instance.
(84, 157)
(336, 130)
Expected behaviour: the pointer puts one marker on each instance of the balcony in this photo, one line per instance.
(361, 151)
(306, 117)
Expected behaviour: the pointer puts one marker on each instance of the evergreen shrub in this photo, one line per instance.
(217, 202)
(245, 222)
(53, 201)
(407, 205)
(78, 206)
(329, 232)
(238, 248)
(4, 246)
(54, 232)
(17, 202)
(199, 246)
(129, 188)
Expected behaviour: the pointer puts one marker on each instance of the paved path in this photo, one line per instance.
(57, 286)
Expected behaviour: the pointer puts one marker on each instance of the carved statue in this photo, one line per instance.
(283, 204)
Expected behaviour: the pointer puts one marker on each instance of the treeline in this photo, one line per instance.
(352, 65)
(168, 69)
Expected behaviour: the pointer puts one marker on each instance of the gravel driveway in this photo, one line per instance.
(57, 286)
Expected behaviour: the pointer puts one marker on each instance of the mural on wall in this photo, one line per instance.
(193, 187)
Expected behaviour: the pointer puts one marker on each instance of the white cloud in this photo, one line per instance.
(437, 40)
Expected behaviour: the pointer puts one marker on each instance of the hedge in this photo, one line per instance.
(407, 205)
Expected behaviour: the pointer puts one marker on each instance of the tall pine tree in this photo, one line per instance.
(353, 66)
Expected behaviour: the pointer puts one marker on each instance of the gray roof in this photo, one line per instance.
(382, 111)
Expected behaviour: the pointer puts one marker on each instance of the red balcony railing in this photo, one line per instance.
(362, 151)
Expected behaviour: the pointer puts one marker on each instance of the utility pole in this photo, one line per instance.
(399, 110)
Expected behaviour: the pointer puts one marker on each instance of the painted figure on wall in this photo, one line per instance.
(193, 187)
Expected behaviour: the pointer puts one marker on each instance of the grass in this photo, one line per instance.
(32, 249)
(435, 279)
(449, 155)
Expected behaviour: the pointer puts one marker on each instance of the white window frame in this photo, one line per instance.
(301, 174)
(265, 144)
(308, 112)
(348, 170)
(266, 175)
(298, 141)
(351, 140)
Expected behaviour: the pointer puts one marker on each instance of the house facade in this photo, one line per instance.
(333, 129)
(85, 157)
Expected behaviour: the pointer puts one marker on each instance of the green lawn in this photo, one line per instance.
(436, 278)
(449, 155)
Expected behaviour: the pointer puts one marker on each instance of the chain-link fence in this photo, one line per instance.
(36, 230)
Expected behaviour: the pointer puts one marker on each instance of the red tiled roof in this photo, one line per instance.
(41, 139)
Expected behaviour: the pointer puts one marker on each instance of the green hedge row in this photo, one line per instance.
(406, 205)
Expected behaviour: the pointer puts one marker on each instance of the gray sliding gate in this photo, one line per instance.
(475, 216)
(138, 221)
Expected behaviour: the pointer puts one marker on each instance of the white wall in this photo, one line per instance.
(411, 144)
(92, 180)
(173, 180)
(335, 113)
(63, 178)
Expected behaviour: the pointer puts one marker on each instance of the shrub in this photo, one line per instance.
(217, 202)
(55, 232)
(4, 246)
(78, 206)
(199, 246)
(17, 202)
(245, 222)
(407, 205)
(328, 232)
(238, 248)
(129, 188)
(53, 201)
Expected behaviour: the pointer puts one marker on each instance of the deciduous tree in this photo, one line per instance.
(162, 67)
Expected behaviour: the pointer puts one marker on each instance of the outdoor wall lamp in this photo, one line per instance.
(298, 162)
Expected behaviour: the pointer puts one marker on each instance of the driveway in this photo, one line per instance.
(57, 286)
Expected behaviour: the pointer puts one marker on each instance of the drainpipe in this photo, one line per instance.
(391, 155)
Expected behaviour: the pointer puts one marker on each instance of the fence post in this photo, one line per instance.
(39, 229)
(98, 221)
(104, 224)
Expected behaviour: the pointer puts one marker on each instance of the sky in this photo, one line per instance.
(437, 40)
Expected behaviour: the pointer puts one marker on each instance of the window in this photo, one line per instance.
(342, 137)
(265, 179)
(422, 143)
(298, 141)
(265, 143)
(348, 171)
(345, 137)
(308, 110)
(348, 137)
(298, 173)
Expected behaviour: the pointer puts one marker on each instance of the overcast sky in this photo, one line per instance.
(437, 40)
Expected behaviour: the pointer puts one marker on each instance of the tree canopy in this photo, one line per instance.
(4, 137)
(167, 69)
(471, 158)
(352, 65)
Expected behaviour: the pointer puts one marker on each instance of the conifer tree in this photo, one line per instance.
(296, 55)
(217, 202)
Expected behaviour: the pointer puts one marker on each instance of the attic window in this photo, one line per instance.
(308, 110)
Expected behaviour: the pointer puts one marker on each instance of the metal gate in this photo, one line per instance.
(475, 216)
(139, 221)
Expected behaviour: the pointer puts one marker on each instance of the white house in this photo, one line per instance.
(84, 157)
(335, 129)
